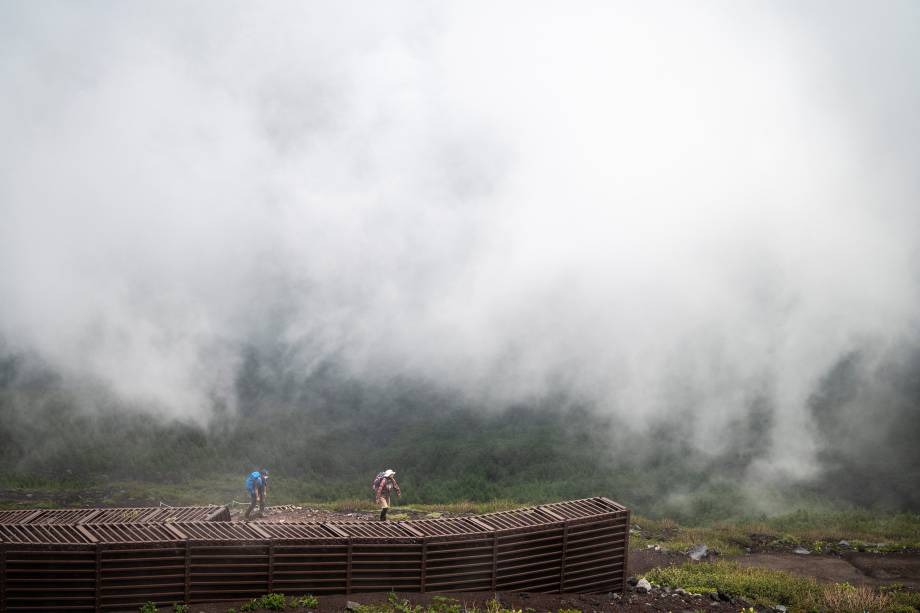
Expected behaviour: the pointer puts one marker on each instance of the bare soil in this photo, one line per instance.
(588, 603)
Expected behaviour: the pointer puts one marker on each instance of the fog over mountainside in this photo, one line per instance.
(665, 247)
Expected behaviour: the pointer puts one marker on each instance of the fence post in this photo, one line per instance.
(271, 565)
(565, 544)
(348, 569)
(2, 576)
(424, 564)
(494, 559)
(625, 554)
(188, 571)
(98, 576)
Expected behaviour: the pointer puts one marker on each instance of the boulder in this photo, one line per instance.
(643, 586)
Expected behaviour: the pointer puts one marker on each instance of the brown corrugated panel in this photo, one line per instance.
(224, 571)
(133, 533)
(134, 573)
(587, 507)
(297, 531)
(51, 534)
(115, 515)
(49, 577)
(15, 516)
(372, 529)
(221, 531)
(444, 527)
(520, 518)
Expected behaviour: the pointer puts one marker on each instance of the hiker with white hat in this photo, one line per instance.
(383, 484)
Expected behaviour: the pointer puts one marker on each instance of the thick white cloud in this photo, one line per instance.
(662, 207)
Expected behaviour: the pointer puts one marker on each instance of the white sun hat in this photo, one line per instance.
(389, 472)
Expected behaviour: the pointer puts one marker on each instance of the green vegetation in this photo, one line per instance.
(273, 602)
(908, 600)
(820, 532)
(148, 607)
(180, 608)
(771, 587)
(305, 602)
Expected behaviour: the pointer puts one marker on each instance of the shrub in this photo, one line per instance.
(905, 599)
(845, 598)
(272, 602)
(766, 586)
(442, 604)
(148, 607)
(307, 602)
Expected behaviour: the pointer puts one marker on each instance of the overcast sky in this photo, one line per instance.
(657, 206)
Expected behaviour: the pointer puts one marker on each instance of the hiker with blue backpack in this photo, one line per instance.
(383, 484)
(256, 485)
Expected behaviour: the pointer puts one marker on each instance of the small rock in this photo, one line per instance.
(801, 551)
(779, 609)
(633, 580)
(723, 596)
(713, 595)
(844, 543)
(643, 586)
(352, 606)
(698, 552)
(681, 591)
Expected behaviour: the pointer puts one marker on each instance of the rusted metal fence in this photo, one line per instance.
(569, 546)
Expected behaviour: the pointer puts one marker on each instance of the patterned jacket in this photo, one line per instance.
(384, 488)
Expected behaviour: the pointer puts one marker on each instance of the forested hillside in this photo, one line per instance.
(329, 434)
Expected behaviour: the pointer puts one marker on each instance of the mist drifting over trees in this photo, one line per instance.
(675, 241)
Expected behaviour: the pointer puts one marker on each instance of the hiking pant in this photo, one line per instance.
(252, 502)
